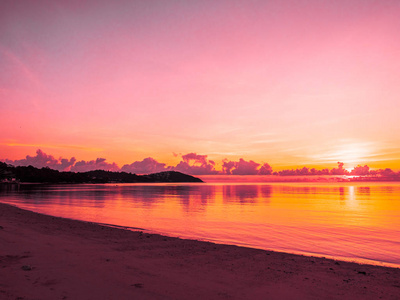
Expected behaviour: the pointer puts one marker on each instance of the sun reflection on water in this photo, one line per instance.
(350, 220)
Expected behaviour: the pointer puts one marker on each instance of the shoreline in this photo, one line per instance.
(358, 260)
(46, 257)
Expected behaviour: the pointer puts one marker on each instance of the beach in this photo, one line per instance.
(45, 257)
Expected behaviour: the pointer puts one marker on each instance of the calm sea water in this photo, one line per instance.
(352, 221)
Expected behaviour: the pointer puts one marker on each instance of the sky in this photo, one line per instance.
(288, 83)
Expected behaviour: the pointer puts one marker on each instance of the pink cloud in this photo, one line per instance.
(98, 164)
(339, 170)
(360, 170)
(265, 169)
(196, 164)
(243, 167)
(66, 164)
(227, 166)
(386, 172)
(146, 166)
(41, 160)
(195, 158)
(191, 163)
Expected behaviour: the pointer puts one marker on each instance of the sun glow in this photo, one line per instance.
(353, 155)
(350, 153)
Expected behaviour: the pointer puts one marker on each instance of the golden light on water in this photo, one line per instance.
(346, 220)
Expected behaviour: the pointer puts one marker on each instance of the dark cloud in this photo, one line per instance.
(146, 166)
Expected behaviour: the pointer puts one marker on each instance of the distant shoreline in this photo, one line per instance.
(242, 179)
(294, 179)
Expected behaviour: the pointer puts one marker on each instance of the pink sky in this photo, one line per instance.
(289, 83)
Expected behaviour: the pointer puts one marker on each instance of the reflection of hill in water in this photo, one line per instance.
(202, 195)
(143, 194)
(334, 218)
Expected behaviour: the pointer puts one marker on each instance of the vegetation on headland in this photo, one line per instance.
(30, 174)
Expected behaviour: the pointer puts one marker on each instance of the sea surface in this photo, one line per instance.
(344, 220)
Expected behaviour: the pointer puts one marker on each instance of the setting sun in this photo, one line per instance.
(353, 155)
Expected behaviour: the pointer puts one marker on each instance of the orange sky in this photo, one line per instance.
(290, 83)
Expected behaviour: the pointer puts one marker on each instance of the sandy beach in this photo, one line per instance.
(45, 257)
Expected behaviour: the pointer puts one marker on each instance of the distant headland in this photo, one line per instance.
(30, 174)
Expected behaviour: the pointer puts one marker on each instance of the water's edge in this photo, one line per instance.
(216, 241)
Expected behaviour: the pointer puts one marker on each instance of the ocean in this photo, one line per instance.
(343, 220)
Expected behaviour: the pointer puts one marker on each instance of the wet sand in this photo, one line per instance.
(45, 257)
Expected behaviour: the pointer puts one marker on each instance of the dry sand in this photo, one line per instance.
(44, 257)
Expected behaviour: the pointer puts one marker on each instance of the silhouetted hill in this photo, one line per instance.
(47, 175)
(171, 176)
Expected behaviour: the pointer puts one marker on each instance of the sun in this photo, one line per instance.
(353, 154)
(350, 153)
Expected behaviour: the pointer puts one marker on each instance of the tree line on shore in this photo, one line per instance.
(356, 171)
(9, 173)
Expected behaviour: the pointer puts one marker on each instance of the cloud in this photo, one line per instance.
(184, 167)
(265, 169)
(360, 170)
(191, 163)
(43, 160)
(227, 166)
(195, 158)
(339, 170)
(196, 164)
(242, 167)
(98, 164)
(66, 164)
(146, 166)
